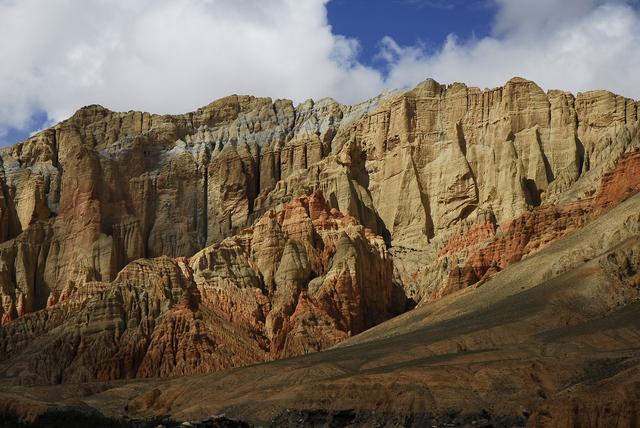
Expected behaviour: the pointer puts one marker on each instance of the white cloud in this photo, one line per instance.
(169, 56)
(575, 45)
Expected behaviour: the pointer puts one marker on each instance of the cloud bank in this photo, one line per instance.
(576, 45)
(171, 56)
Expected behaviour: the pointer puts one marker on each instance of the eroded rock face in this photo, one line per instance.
(110, 188)
(302, 225)
(301, 280)
(490, 252)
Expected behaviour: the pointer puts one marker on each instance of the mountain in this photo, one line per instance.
(502, 223)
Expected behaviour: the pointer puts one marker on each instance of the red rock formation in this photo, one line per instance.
(620, 183)
(518, 238)
(536, 229)
(289, 285)
(473, 236)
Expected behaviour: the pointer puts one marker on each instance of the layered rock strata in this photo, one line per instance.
(302, 225)
(301, 280)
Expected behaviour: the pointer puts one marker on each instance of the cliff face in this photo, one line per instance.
(303, 225)
(83, 199)
(302, 279)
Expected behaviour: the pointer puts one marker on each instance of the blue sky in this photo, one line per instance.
(173, 56)
(37, 120)
(408, 22)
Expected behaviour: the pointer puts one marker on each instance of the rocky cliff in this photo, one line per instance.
(551, 341)
(301, 280)
(136, 245)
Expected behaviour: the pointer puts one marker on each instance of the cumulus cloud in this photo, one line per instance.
(576, 45)
(169, 56)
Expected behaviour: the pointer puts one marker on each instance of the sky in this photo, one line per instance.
(173, 56)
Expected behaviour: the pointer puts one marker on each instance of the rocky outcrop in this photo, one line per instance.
(302, 225)
(535, 229)
(301, 280)
(457, 151)
(110, 187)
(304, 278)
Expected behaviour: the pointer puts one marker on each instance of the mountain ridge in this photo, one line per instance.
(387, 92)
(135, 245)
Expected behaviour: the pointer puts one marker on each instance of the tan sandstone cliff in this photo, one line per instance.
(254, 229)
